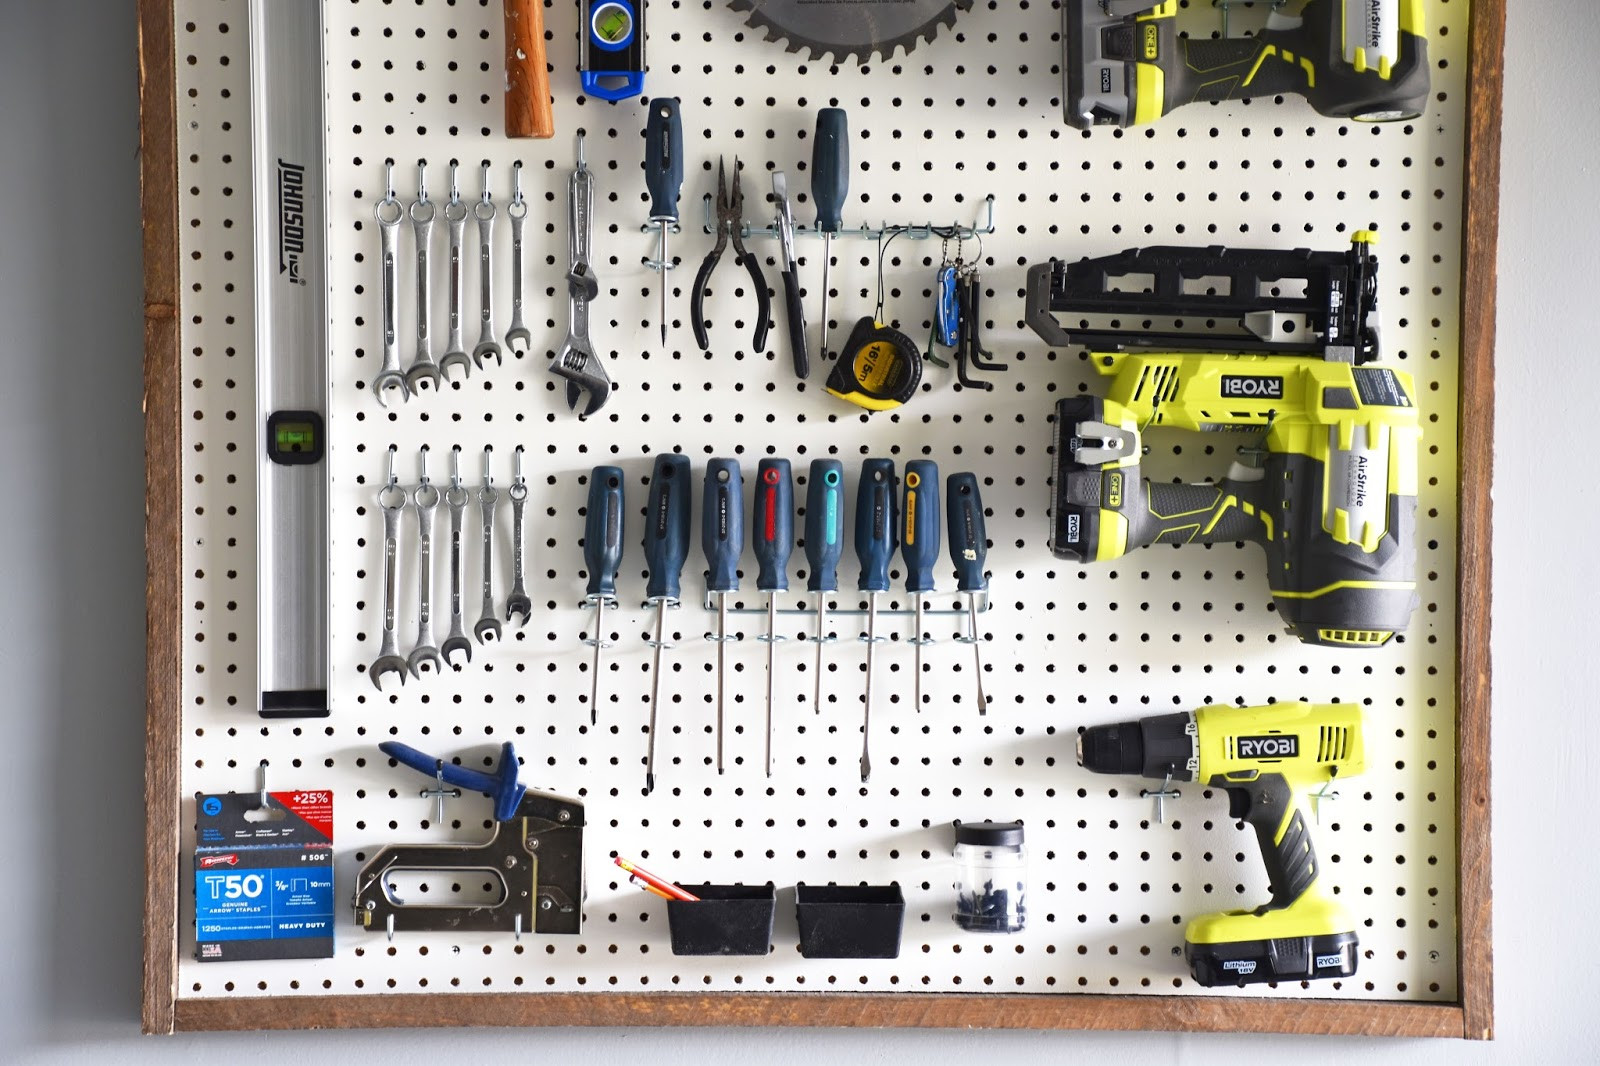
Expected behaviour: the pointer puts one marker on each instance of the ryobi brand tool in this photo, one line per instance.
(611, 56)
(1126, 62)
(1330, 490)
(1268, 760)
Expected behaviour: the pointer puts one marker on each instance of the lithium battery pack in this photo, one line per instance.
(263, 876)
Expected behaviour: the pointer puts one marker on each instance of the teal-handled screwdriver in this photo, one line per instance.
(830, 184)
(722, 539)
(969, 547)
(919, 546)
(602, 555)
(875, 533)
(666, 547)
(824, 545)
(663, 177)
(773, 537)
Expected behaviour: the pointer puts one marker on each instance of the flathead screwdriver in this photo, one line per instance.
(830, 184)
(919, 546)
(722, 540)
(875, 533)
(773, 538)
(824, 544)
(969, 547)
(666, 546)
(663, 177)
(602, 555)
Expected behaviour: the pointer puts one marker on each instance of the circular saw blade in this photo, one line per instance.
(855, 28)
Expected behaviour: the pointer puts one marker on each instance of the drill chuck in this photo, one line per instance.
(1155, 747)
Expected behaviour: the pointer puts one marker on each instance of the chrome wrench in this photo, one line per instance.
(518, 602)
(517, 211)
(576, 361)
(483, 211)
(389, 212)
(424, 658)
(488, 627)
(456, 499)
(455, 214)
(424, 372)
(392, 501)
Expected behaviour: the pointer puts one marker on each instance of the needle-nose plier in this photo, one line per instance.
(730, 226)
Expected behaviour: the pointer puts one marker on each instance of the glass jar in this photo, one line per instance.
(993, 870)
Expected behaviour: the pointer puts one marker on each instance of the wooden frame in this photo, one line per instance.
(162, 1011)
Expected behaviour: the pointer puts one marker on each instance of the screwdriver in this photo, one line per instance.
(968, 549)
(722, 539)
(666, 546)
(919, 545)
(874, 546)
(824, 543)
(773, 519)
(663, 177)
(602, 554)
(830, 183)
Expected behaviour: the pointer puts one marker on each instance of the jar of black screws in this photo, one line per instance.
(991, 894)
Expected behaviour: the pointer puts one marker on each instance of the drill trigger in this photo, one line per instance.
(1239, 803)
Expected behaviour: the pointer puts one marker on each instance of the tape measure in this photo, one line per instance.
(879, 368)
(611, 59)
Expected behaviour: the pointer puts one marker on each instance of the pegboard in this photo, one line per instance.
(975, 113)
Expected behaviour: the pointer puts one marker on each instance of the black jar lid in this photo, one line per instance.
(989, 834)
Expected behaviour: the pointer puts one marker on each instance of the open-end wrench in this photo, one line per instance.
(518, 602)
(456, 499)
(424, 658)
(488, 627)
(391, 500)
(483, 211)
(517, 211)
(389, 212)
(577, 362)
(455, 215)
(424, 372)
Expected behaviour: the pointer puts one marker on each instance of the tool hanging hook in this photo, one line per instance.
(394, 479)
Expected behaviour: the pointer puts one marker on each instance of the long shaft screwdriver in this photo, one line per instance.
(602, 555)
(722, 540)
(663, 177)
(824, 544)
(666, 546)
(968, 549)
(774, 541)
(830, 184)
(875, 531)
(919, 546)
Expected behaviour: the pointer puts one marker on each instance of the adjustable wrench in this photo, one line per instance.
(518, 602)
(389, 212)
(488, 627)
(517, 211)
(425, 657)
(392, 501)
(455, 213)
(483, 211)
(456, 499)
(424, 372)
(576, 361)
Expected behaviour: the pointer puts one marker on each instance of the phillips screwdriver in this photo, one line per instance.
(919, 546)
(666, 546)
(824, 544)
(830, 184)
(773, 519)
(602, 555)
(722, 539)
(968, 549)
(875, 532)
(663, 177)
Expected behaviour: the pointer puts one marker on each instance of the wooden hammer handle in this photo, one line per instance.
(528, 112)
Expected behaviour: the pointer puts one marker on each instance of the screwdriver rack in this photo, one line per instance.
(1406, 846)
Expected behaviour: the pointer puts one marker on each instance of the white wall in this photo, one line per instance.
(72, 662)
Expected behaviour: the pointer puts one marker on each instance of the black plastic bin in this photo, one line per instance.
(726, 920)
(850, 921)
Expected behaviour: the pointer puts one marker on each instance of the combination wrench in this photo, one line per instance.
(424, 372)
(518, 602)
(392, 501)
(389, 211)
(488, 627)
(483, 211)
(576, 362)
(424, 658)
(456, 499)
(517, 211)
(455, 215)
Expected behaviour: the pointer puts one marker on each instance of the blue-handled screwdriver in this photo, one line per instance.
(773, 537)
(602, 555)
(875, 532)
(969, 547)
(722, 539)
(919, 546)
(663, 177)
(666, 546)
(824, 545)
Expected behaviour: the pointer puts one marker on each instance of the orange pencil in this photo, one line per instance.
(671, 890)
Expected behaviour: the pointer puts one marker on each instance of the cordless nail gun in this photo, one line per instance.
(1268, 760)
(1127, 64)
(1330, 486)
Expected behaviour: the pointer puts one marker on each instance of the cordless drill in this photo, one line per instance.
(1268, 759)
(1127, 64)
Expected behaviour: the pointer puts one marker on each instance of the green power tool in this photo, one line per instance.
(1127, 62)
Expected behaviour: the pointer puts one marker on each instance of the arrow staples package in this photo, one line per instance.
(263, 876)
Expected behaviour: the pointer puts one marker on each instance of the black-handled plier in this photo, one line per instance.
(730, 226)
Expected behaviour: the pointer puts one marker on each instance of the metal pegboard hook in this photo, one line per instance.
(261, 782)
(394, 479)
(488, 474)
(423, 461)
(1161, 795)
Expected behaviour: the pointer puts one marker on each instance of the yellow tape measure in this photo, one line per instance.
(879, 368)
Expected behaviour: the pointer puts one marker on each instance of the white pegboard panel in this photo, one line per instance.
(975, 113)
